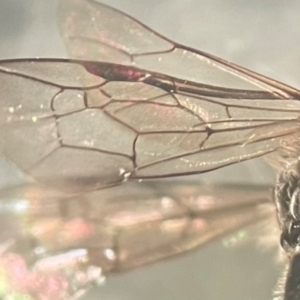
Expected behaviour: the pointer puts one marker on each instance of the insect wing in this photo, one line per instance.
(96, 32)
(75, 241)
(84, 125)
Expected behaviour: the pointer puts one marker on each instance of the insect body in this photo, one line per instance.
(86, 130)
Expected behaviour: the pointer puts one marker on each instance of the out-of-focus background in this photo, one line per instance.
(261, 35)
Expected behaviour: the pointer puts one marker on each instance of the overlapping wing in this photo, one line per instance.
(65, 245)
(137, 106)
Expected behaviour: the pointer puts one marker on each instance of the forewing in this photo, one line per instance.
(67, 127)
(84, 125)
(74, 241)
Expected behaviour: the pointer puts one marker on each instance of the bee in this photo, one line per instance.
(95, 135)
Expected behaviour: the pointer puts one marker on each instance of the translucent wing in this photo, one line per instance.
(74, 130)
(159, 110)
(64, 245)
(97, 32)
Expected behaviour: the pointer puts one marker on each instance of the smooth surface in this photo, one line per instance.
(263, 36)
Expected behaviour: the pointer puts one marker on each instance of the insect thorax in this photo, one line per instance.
(287, 200)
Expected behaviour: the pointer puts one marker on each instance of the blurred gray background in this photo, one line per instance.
(261, 35)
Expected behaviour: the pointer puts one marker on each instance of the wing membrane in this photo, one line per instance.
(114, 230)
(80, 130)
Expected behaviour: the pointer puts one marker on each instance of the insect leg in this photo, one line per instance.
(292, 285)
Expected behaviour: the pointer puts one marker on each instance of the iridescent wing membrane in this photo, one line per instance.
(134, 105)
(55, 248)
